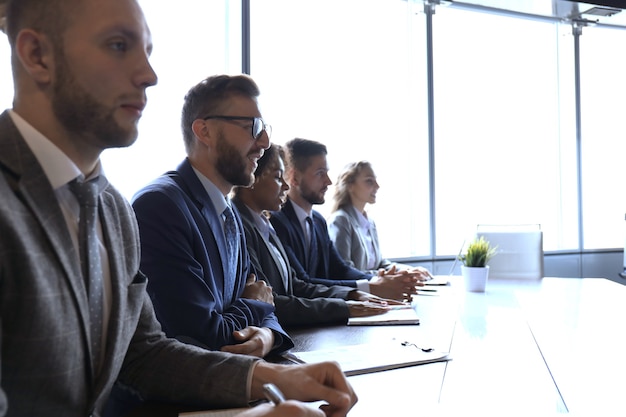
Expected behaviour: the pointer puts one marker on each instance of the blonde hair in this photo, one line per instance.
(347, 176)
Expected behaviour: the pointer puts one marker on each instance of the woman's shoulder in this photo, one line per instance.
(341, 216)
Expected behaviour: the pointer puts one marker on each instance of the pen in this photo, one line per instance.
(273, 394)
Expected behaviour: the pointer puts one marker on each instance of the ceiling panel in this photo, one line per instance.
(606, 12)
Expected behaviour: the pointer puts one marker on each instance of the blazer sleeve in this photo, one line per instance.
(184, 277)
(308, 303)
(163, 369)
(339, 231)
(337, 266)
(287, 235)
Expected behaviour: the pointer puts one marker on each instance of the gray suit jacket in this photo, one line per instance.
(346, 234)
(45, 363)
(298, 302)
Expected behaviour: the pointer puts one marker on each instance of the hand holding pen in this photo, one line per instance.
(279, 407)
(322, 382)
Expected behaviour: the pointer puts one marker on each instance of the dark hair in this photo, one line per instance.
(209, 96)
(299, 151)
(347, 176)
(271, 154)
(50, 17)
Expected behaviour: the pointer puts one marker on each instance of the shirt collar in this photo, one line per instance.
(364, 222)
(262, 223)
(220, 202)
(300, 213)
(58, 167)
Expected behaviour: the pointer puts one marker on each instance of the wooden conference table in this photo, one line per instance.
(545, 347)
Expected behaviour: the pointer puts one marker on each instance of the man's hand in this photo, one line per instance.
(358, 295)
(257, 290)
(289, 408)
(255, 341)
(365, 309)
(311, 382)
(422, 273)
(394, 284)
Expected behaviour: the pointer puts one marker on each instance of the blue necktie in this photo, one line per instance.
(232, 243)
(87, 194)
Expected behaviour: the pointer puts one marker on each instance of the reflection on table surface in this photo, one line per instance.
(524, 347)
(533, 347)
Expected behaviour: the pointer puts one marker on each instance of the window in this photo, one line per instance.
(351, 74)
(6, 78)
(193, 40)
(603, 65)
(498, 128)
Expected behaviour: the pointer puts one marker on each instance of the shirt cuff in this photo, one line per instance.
(249, 381)
(363, 285)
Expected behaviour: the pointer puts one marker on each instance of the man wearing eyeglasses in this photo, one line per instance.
(193, 250)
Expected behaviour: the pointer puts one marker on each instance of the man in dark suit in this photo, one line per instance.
(80, 71)
(198, 297)
(304, 233)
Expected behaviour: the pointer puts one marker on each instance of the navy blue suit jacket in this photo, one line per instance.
(328, 267)
(182, 244)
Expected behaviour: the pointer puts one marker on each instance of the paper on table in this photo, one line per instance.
(439, 280)
(396, 315)
(230, 412)
(370, 357)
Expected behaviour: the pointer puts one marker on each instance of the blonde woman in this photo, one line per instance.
(353, 233)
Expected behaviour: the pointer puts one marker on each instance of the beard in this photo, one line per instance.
(311, 196)
(231, 165)
(80, 113)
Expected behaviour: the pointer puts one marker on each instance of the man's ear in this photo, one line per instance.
(202, 132)
(36, 54)
(292, 176)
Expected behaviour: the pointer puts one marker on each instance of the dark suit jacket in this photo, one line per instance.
(297, 302)
(182, 253)
(328, 267)
(46, 370)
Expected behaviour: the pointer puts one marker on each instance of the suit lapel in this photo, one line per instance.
(290, 213)
(275, 242)
(119, 279)
(269, 246)
(356, 225)
(189, 182)
(33, 187)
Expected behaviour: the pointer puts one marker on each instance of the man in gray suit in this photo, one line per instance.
(80, 71)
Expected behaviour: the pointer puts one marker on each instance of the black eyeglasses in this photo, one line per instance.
(258, 125)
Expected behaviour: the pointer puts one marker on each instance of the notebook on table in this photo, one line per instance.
(396, 315)
(371, 357)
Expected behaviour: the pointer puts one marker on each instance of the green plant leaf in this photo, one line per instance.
(478, 253)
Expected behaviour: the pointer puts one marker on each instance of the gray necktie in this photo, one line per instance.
(87, 195)
(311, 255)
(232, 243)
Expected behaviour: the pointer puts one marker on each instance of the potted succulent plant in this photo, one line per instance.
(474, 269)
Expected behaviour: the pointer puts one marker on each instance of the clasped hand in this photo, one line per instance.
(398, 284)
(257, 290)
(254, 341)
(363, 304)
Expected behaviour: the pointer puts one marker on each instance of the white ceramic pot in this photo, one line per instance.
(475, 278)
